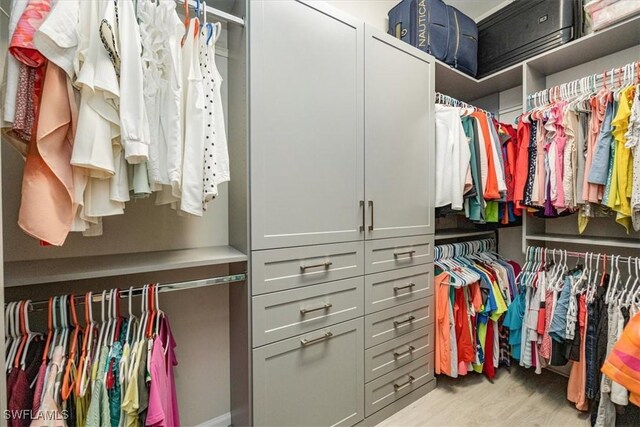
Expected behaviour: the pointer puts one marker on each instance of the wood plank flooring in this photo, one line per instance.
(516, 398)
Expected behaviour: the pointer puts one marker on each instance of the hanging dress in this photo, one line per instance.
(216, 156)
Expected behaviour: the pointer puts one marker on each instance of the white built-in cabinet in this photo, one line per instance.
(307, 174)
(339, 128)
(341, 149)
(399, 164)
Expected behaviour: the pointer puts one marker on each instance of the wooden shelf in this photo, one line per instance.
(585, 240)
(601, 43)
(20, 273)
(457, 233)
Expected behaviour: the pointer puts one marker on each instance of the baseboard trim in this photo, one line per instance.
(396, 406)
(223, 420)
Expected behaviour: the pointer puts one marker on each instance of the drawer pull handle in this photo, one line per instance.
(410, 253)
(304, 311)
(407, 351)
(363, 215)
(397, 387)
(306, 342)
(399, 288)
(409, 319)
(324, 264)
(371, 208)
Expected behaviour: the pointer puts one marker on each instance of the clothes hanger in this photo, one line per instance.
(9, 331)
(88, 333)
(69, 384)
(24, 333)
(132, 318)
(56, 327)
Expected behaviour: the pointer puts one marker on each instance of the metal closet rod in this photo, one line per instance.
(441, 98)
(162, 288)
(583, 255)
(216, 12)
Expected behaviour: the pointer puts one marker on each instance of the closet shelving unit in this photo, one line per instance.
(618, 37)
(153, 244)
(594, 53)
(458, 233)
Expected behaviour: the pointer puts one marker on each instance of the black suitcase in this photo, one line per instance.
(526, 28)
(440, 30)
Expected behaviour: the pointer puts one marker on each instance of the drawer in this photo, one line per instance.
(284, 314)
(394, 322)
(391, 355)
(391, 254)
(395, 287)
(320, 383)
(396, 384)
(280, 269)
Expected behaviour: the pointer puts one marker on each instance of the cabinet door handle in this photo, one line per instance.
(410, 253)
(371, 210)
(306, 342)
(324, 264)
(409, 319)
(407, 351)
(397, 387)
(304, 311)
(399, 288)
(364, 214)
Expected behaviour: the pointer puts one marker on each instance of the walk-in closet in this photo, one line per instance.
(320, 213)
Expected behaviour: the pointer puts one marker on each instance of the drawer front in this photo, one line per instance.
(394, 322)
(320, 384)
(394, 385)
(284, 314)
(392, 288)
(391, 254)
(281, 269)
(391, 355)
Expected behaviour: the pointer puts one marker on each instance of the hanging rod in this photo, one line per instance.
(216, 12)
(593, 82)
(441, 98)
(162, 288)
(464, 248)
(583, 255)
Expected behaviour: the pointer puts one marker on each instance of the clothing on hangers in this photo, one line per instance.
(473, 289)
(149, 116)
(584, 162)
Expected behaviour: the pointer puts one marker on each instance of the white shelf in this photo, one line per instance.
(458, 233)
(466, 88)
(20, 273)
(618, 37)
(613, 39)
(585, 240)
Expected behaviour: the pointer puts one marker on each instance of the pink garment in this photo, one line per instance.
(21, 45)
(47, 208)
(163, 401)
(49, 414)
(561, 140)
(37, 393)
(540, 170)
(545, 345)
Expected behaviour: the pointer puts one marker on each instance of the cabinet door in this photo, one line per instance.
(306, 109)
(399, 138)
(316, 379)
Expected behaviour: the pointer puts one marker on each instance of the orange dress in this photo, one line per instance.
(443, 338)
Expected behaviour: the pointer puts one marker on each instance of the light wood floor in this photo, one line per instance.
(516, 398)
